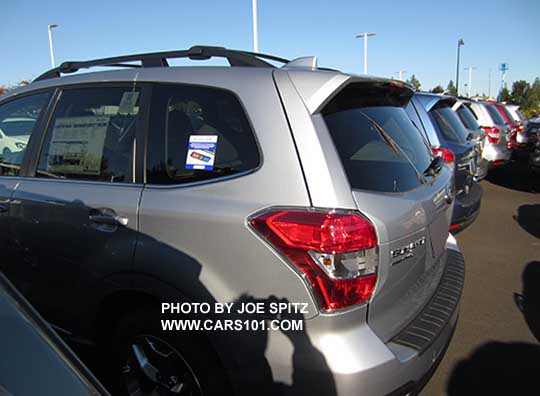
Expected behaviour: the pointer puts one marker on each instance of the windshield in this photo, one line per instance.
(449, 124)
(467, 118)
(495, 115)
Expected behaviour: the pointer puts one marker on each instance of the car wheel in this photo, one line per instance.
(148, 361)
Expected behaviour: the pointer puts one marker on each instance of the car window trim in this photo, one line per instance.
(37, 130)
(150, 88)
(31, 170)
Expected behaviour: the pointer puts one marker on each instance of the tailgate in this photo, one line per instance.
(413, 230)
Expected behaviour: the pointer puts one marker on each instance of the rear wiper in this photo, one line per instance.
(434, 167)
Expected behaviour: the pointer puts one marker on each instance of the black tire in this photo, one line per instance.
(198, 366)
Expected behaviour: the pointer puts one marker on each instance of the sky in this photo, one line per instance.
(417, 36)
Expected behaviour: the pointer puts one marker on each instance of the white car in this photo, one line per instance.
(14, 134)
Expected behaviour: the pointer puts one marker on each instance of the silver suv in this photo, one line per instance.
(497, 132)
(242, 184)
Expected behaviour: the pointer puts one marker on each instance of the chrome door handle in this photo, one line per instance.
(109, 220)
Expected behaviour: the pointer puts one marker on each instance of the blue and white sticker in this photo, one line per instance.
(201, 152)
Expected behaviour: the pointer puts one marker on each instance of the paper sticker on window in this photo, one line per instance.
(77, 145)
(201, 152)
(128, 102)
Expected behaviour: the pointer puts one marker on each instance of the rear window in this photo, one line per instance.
(508, 114)
(379, 146)
(467, 118)
(197, 134)
(448, 123)
(495, 115)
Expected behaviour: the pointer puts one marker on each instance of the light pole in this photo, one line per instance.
(365, 37)
(489, 83)
(459, 44)
(400, 73)
(255, 26)
(469, 84)
(51, 48)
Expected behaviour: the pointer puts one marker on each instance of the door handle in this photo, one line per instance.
(3, 208)
(109, 220)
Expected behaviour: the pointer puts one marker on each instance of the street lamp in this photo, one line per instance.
(255, 26)
(50, 28)
(401, 73)
(365, 37)
(459, 44)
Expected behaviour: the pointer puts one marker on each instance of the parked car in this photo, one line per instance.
(534, 156)
(14, 134)
(522, 124)
(517, 140)
(306, 185)
(449, 139)
(533, 126)
(30, 348)
(496, 149)
(472, 128)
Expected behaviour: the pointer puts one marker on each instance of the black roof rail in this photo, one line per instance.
(159, 59)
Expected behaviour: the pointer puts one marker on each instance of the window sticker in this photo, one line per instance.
(201, 152)
(77, 145)
(128, 102)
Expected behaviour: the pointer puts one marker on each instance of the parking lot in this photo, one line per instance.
(498, 247)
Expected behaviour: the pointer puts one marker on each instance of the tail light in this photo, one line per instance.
(446, 154)
(493, 134)
(335, 251)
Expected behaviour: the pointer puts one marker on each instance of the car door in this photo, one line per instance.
(30, 108)
(74, 222)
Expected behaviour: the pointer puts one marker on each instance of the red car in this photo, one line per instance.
(514, 127)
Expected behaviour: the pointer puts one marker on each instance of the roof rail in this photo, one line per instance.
(159, 59)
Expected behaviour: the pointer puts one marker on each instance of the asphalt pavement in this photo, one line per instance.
(496, 349)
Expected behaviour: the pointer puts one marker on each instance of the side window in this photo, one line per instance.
(91, 136)
(197, 133)
(17, 121)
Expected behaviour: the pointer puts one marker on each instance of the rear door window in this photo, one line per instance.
(91, 135)
(197, 134)
(17, 121)
(379, 146)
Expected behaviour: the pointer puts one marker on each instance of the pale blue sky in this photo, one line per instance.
(419, 36)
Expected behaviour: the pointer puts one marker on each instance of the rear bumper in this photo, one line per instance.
(466, 208)
(361, 364)
(498, 152)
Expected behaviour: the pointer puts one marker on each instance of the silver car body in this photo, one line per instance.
(492, 151)
(366, 347)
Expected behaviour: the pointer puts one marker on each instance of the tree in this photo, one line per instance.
(519, 91)
(505, 95)
(437, 89)
(3, 90)
(451, 88)
(414, 82)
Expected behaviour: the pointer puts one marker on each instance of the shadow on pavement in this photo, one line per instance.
(498, 368)
(515, 176)
(528, 217)
(529, 302)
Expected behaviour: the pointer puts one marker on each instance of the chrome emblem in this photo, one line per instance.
(406, 251)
